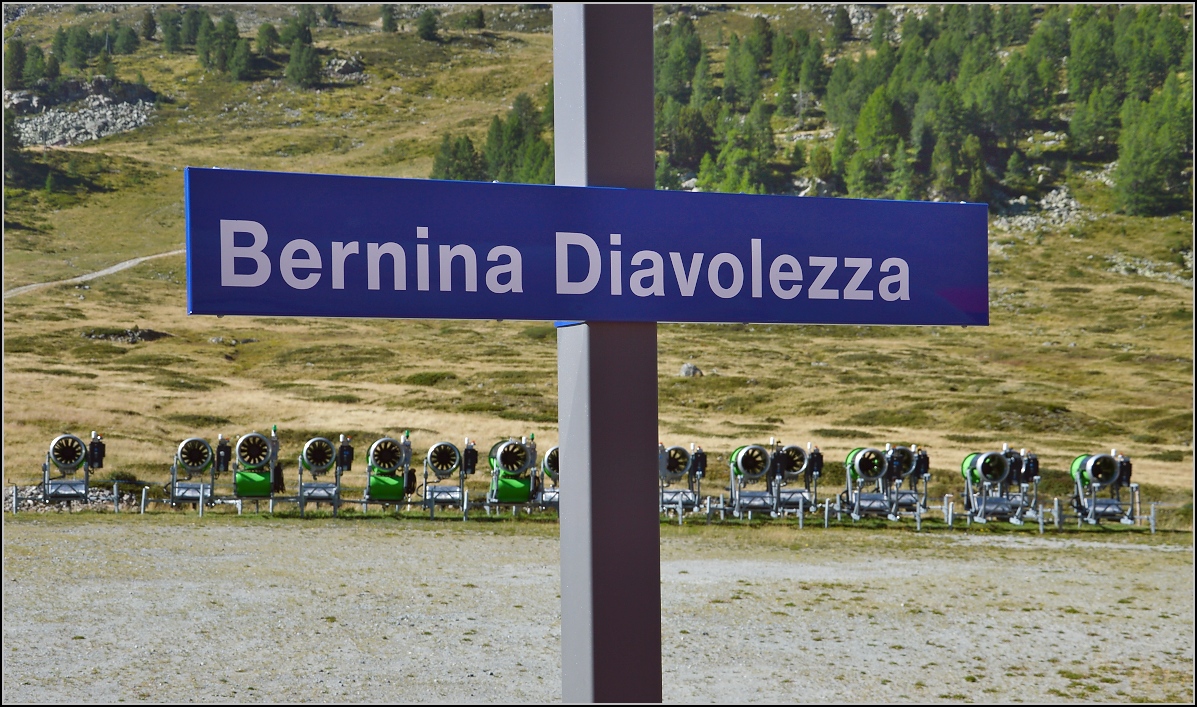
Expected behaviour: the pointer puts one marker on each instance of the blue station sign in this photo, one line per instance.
(285, 244)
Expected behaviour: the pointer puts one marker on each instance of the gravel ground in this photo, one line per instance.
(168, 609)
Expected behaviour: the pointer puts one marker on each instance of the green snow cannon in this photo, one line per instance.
(511, 458)
(866, 464)
(750, 461)
(255, 457)
(991, 467)
(386, 463)
(1096, 469)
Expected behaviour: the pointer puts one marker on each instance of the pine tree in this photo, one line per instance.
(731, 89)
(295, 29)
(14, 161)
(388, 19)
(457, 159)
(473, 19)
(1092, 130)
(78, 47)
(883, 23)
(1150, 177)
(35, 65)
(240, 61)
(674, 75)
(172, 34)
(193, 19)
(841, 25)
(148, 25)
(1016, 173)
(59, 43)
(14, 63)
(841, 153)
(876, 132)
(228, 32)
(1091, 63)
(104, 65)
(943, 168)
(303, 68)
(427, 26)
(268, 39)
(126, 41)
(902, 180)
(798, 158)
(785, 94)
(973, 167)
(666, 176)
(820, 163)
(207, 42)
(702, 90)
(689, 138)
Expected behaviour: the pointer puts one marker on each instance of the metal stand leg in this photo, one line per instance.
(1040, 514)
(14, 499)
(801, 510)
(826, 513)
(144, 493)
(1056, 514)
(116, 498)
(1153, 518)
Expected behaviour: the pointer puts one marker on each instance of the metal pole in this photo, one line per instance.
(607, 375)
(116, 497)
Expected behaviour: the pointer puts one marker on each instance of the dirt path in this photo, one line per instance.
(176, 610)
(90, 276)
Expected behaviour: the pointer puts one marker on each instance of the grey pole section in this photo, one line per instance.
(607, 372)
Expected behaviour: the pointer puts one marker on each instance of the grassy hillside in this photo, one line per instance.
(1090, 345)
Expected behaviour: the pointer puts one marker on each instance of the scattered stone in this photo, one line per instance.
(45, 95)
(1127, 265)
(811, 186)
(99, 498)
(1105, 175)
(689, 370)
(350, 69)
(99, 118)
(125, 336)
(1055, 211)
